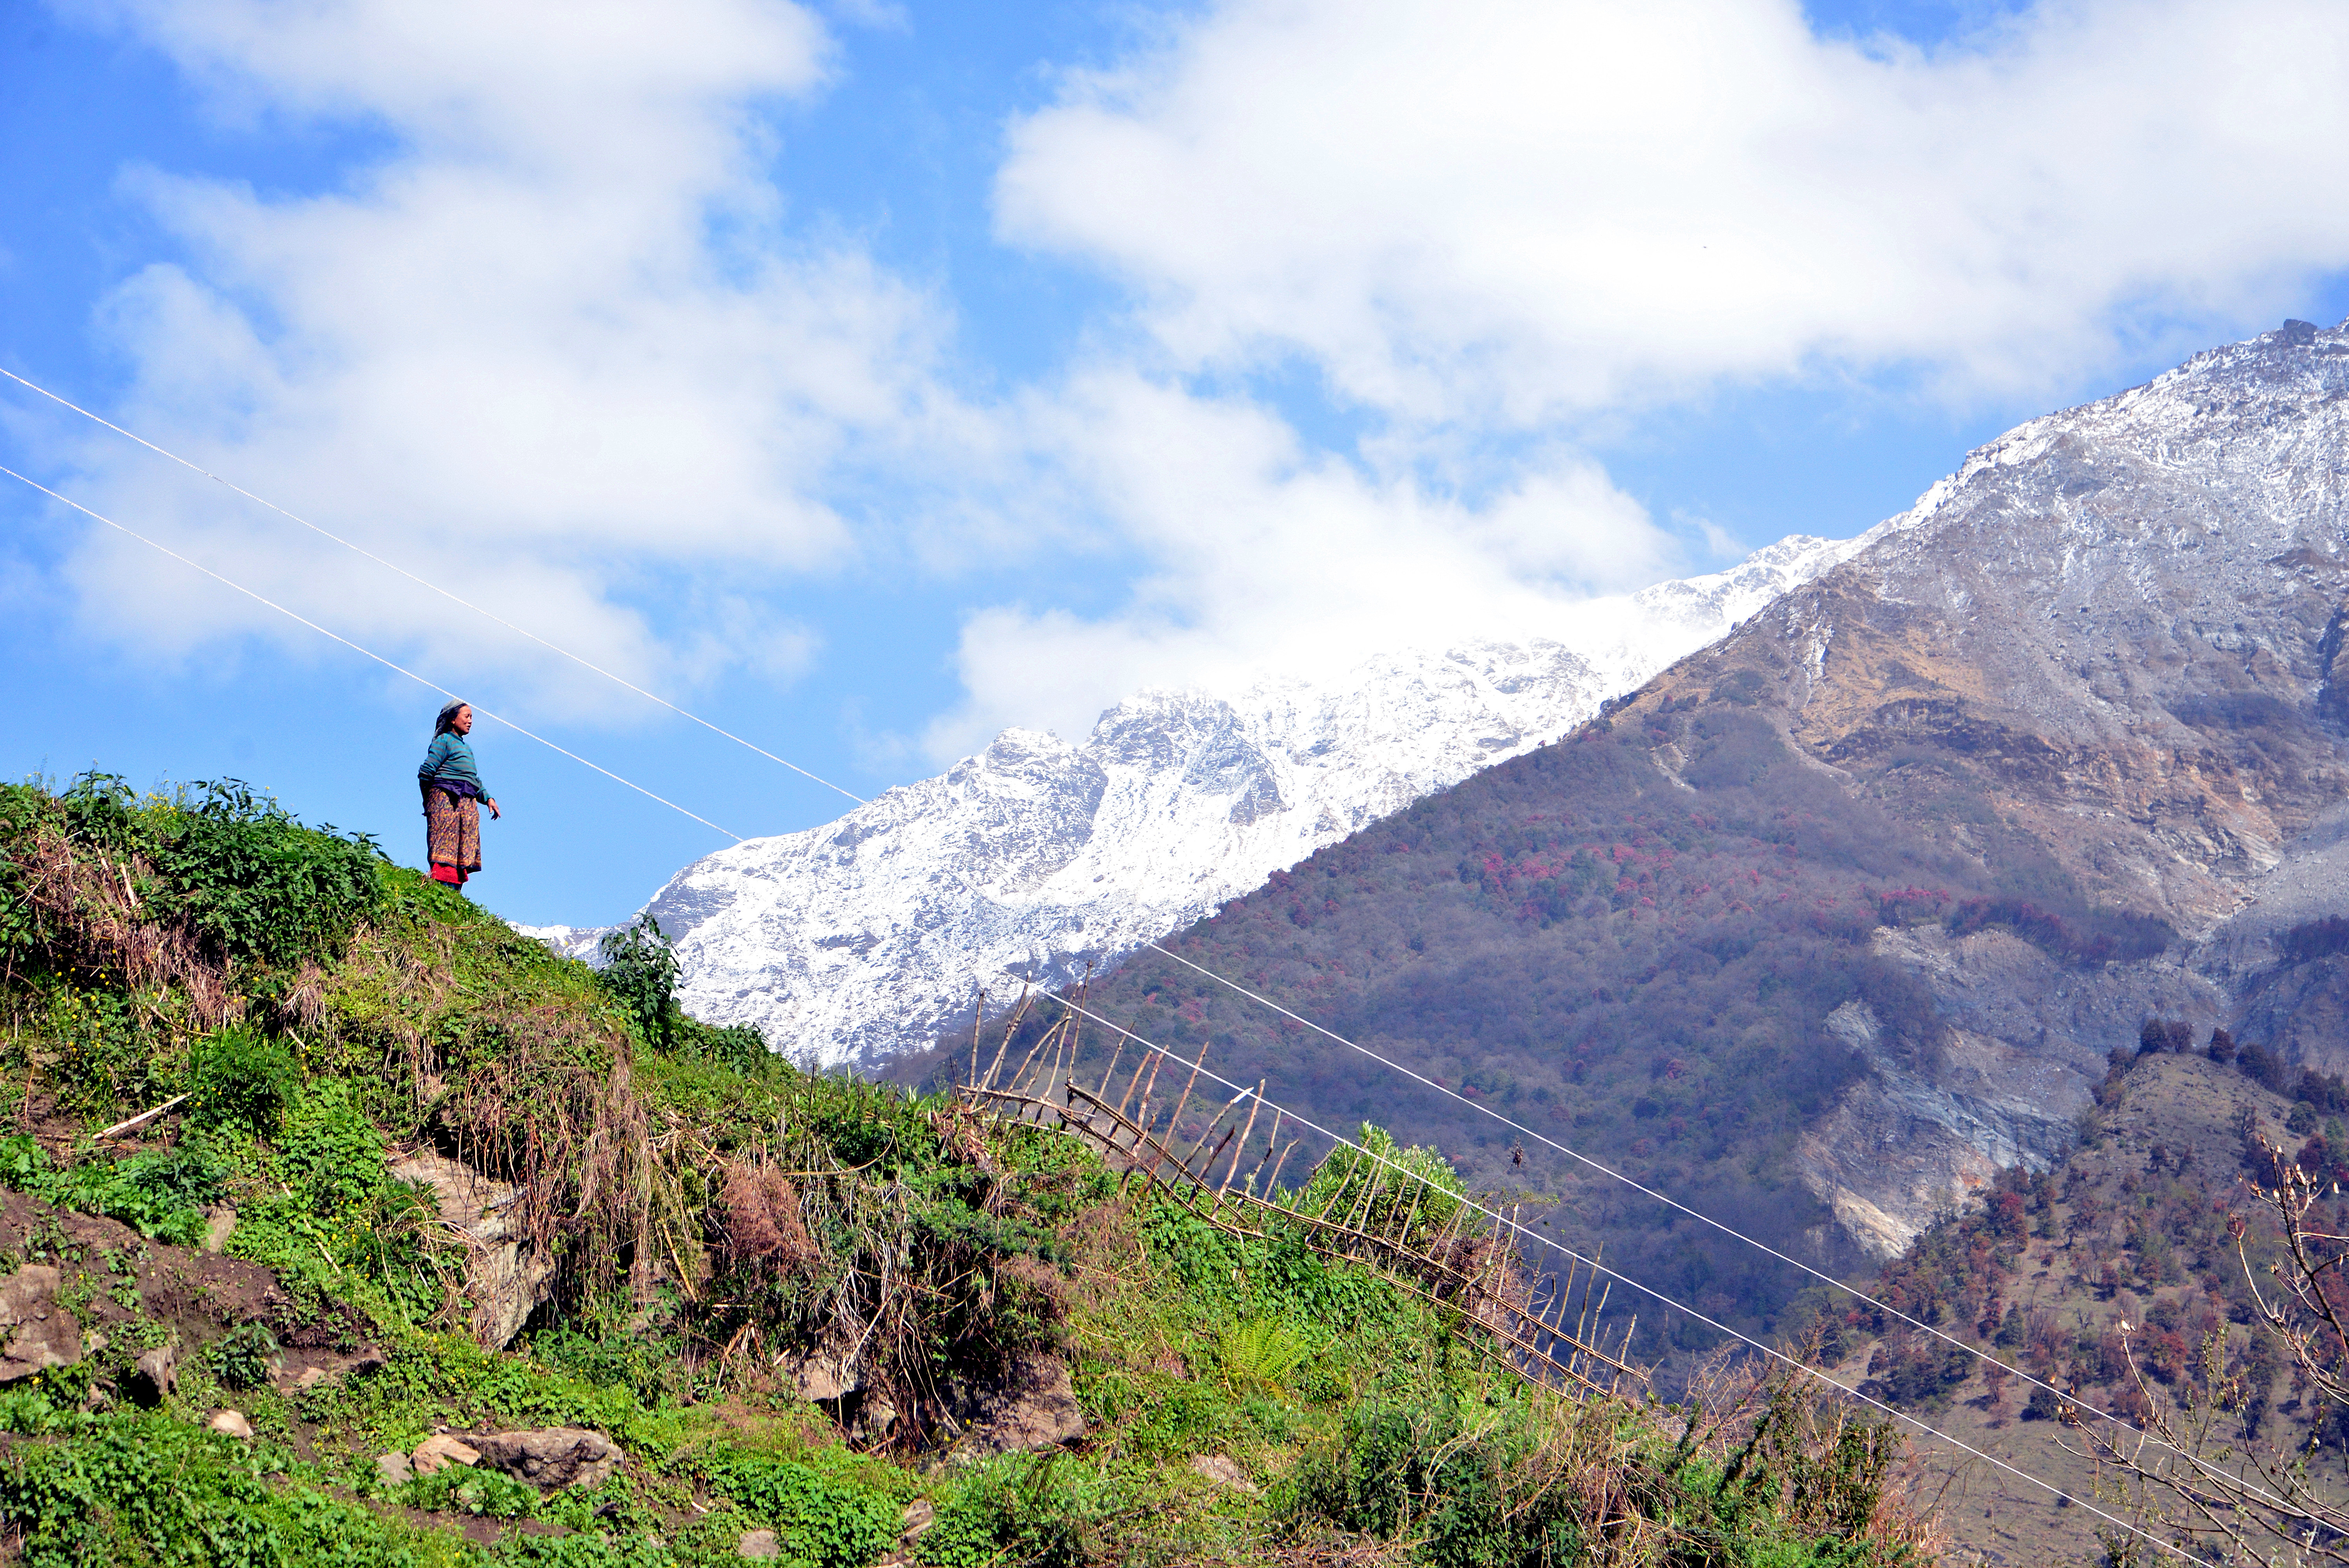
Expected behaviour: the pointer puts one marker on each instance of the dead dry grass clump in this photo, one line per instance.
(907, 1253)
(88, 919)
(545, 1100)
(762, 1222)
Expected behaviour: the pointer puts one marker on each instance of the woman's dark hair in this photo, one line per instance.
(448, 719)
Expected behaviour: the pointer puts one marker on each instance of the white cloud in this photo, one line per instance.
(557, 350)
(1260, 553)
(559, 345)
(566, 346)
(1515, 212)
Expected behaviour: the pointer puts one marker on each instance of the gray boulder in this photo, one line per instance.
(152, 1377)
(554, 1457)
(34, 1330)
(1034, 1405)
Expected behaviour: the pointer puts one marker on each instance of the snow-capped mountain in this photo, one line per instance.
(859, 941)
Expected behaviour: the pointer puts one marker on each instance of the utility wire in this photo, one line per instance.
(1674, 1203)
(368, 653)
(1551, 1242)
(424, 582)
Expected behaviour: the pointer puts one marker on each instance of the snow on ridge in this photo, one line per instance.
(858, 940)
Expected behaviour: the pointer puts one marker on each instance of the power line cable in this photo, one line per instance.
(378, 658)
(1674, 1203)
(426, 583)
(1551, 1242)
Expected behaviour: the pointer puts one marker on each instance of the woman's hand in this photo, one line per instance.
(495, 813)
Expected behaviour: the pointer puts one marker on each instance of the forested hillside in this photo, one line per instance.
(341, 1224)
(2128, 1279)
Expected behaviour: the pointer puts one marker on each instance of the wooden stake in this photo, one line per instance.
(1329, 1203)
(1274, 1184)
(1369, 1197)
(1402, 1235)
(1153, 1058)
(1246, 1133)
(975, 1019)
(1212, 1123)
(1271, 1142)
(1068, 1030)
(1009, 1029)
(1207, 1169)
(1113, 1056)
(1077, 1018)
(1175, 1123)
(1020, 1076)
(143, 1117)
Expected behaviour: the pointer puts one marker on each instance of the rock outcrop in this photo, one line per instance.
(439, 1451)
(36, 1329)
(2119, 628)
(506, 1277)
(1033, 1406)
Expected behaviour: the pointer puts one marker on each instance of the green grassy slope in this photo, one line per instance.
(693, 1223)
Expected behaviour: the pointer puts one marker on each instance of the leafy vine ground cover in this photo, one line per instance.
(709, 1215)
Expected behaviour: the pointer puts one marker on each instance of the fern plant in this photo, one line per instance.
(1261, 1353)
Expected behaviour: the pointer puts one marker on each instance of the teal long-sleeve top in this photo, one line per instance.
(451, 758)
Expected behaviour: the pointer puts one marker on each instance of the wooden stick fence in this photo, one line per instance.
(1548, 1329)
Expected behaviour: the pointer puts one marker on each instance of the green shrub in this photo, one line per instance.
(1422, 1467)
(1261, 1353)
(1430, 1203)
(639, 972)
(239, 1076)
(1184, 1421)
(818, 1522)
(738, 1046)
(651, 1365)
(483, 1493)
(101, 810)
(584, 1551)
(109, 1051)
(251, 883)
(146, 1489)
(1016, 1511)
(329, 1152)
(244, 1357)
(161, 1192)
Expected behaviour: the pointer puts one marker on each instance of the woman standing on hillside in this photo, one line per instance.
(453, 797)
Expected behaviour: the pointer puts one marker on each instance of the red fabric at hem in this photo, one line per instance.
(453, 876)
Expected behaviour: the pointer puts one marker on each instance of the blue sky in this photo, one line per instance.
(868, 378)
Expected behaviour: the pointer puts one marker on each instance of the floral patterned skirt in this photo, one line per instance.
(452, 831)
